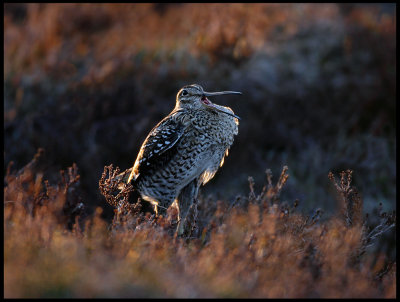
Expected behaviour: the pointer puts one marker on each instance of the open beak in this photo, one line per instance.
(209, 104)
(220, 93)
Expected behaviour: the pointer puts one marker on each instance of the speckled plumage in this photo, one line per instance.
(188, 144)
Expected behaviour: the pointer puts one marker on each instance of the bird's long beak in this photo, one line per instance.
(209, 104)
(220, 93)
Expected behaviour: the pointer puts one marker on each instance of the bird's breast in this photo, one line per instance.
(216, 127)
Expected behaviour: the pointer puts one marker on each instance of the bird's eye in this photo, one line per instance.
(184, 92)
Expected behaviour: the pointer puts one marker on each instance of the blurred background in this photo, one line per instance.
(87, 82)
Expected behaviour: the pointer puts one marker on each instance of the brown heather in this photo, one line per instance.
(256, 247)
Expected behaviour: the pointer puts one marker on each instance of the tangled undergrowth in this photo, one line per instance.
(255, 246)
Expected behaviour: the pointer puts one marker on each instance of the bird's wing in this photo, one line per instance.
(161, 138)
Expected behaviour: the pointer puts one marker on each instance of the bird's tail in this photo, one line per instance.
(122, 178)
(134, 196)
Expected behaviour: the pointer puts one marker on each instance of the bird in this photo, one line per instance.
(184, 151)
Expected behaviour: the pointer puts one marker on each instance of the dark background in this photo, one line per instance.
(87, 82)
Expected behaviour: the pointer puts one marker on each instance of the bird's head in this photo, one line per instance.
(194, 97)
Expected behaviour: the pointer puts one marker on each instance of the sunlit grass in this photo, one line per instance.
(257, 247)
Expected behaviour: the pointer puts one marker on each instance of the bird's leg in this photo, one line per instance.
(186, 199)
(160, 210)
